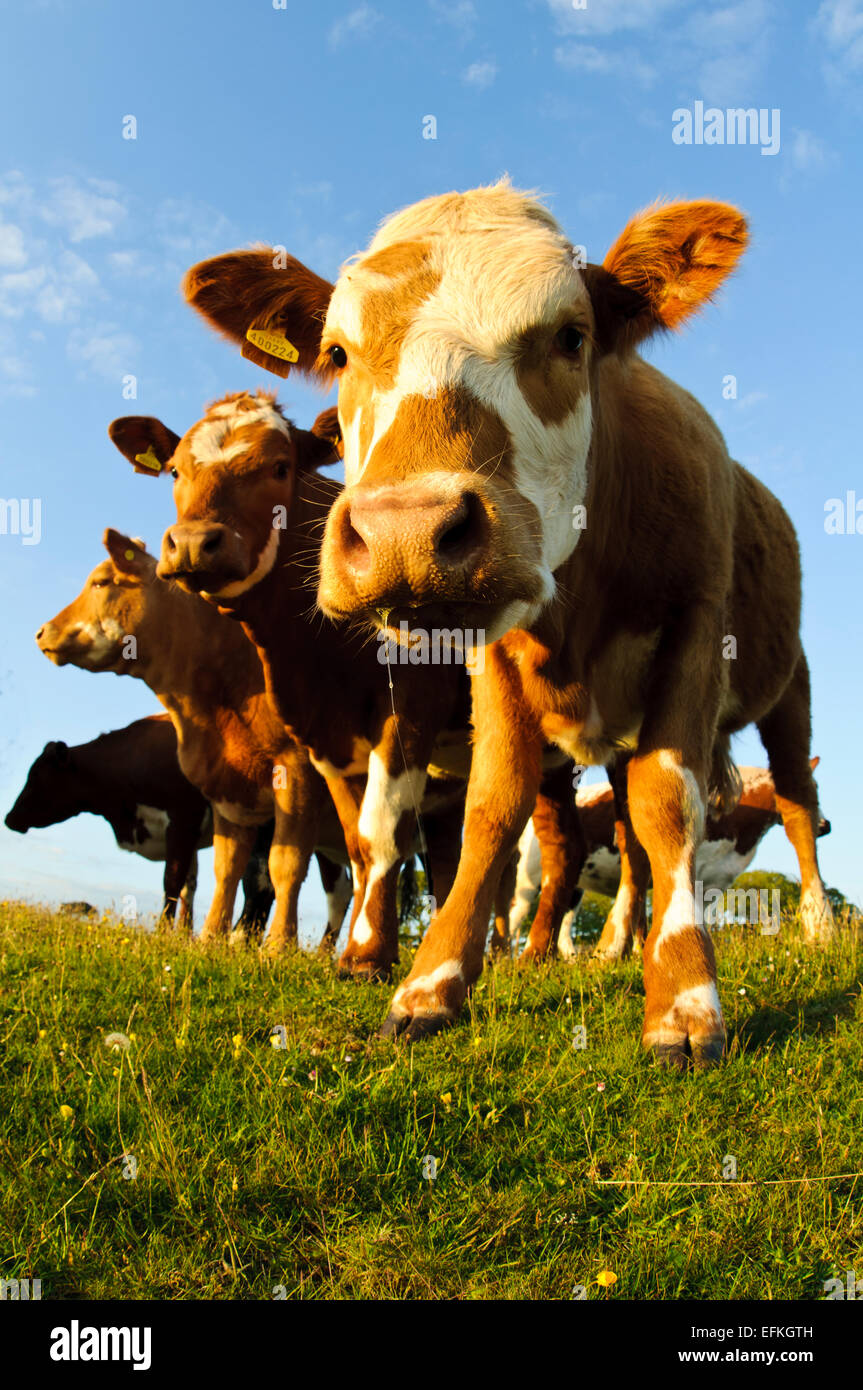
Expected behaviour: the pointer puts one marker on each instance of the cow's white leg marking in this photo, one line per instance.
(386, 800)
(427, 985)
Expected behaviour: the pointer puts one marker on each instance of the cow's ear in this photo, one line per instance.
(144, 441)
(813, 763)
(322, 444)
(666, 264)
(129, 556)
(269, 303)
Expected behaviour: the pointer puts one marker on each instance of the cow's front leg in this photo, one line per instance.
(232, 845)
(299, 793)
(504, 780)
(626, 924)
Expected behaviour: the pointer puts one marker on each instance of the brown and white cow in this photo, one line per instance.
(730, 844)
(512, 464)
(231, 746)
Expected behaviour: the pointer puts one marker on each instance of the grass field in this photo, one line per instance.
(299, 1170)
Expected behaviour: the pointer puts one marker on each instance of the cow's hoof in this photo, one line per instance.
(413, 1028)
(688, 1052)
(365, 972)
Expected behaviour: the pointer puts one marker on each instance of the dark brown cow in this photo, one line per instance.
(130, 777)
(513, 465)
(231, 746)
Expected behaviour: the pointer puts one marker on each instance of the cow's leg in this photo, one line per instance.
(347, 795)
(299, 798)
(180, 852)
(387, 823)
(232, 845)
(258, 894)
(521, 879)
(187, 897)
(565, 945)
(785, 733)
(504, 931)
(443, 841)
(562, 852)
(338, 887)
(667, 789)
(626, 924)
(501, 795)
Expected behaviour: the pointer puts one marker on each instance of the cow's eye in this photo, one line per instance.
(174, 473)
(338, 356)
(101, 583)
(569, 340)
(280, 470)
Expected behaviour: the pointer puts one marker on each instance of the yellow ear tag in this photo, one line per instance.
(148, 460)
(276, 344)
(129, 554)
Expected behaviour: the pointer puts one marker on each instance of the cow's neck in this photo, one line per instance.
(301, 652)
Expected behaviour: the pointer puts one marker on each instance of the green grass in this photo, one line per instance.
(302, 1167)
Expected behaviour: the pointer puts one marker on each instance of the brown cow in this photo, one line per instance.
(514, 465)
(231, 746)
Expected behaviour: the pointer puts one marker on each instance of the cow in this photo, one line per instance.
(729, 847)
(231, 747)
(513, 465)
(130, 777)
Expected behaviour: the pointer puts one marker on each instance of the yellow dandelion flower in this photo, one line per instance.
(606, 1278)
(67, 1113)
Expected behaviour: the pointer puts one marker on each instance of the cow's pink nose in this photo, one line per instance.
(400, 535)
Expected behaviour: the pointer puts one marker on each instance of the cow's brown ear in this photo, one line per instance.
(813, 762)
(269, 303)
(129, 556)
(323, 443)
(671, 258)
(144, 441)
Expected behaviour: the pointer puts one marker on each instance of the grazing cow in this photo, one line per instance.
(729, 846)
(130, 777)
(230, 744)
(513, 465)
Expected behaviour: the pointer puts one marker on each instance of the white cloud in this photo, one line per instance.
(480, 75)
(588, 58)
(809, 154)
(12, 252)
(104, 349)
(461, 14)
(83, 210)
(608, 16)
(839, 23)
(355, 25)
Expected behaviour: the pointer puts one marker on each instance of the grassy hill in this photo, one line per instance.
(264, 1171)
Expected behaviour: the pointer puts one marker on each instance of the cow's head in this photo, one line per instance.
(92, 631)
(468, 345)
(236, 476)
(44, 799)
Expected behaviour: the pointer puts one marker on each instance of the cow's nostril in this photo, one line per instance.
(39, 633)
(464, 532)
(170, 543)
(212, 543)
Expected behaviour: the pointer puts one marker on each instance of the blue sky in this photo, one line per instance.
(303, 126)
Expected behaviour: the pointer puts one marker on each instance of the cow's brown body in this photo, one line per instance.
(231, 745)
(513, 464)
